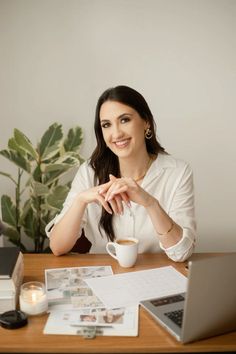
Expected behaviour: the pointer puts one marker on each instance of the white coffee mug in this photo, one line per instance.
(124, 250)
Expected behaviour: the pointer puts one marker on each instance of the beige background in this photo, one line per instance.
(58, 56)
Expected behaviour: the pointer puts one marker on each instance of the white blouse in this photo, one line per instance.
(170, 181)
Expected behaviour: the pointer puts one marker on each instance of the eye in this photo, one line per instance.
(125, 120)
(105, 125)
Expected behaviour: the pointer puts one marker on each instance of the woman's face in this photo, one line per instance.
(122, 128)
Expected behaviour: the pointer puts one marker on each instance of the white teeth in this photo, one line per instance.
(121, 143)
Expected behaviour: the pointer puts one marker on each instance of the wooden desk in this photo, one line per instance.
(152, 337)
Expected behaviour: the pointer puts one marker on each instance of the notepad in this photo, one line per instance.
(128, 289)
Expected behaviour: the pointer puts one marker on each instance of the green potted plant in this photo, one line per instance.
(39, 191)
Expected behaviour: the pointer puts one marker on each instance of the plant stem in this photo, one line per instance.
(37, 234)
(17, 198)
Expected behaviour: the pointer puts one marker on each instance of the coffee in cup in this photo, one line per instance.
(124, 250)
(126, 242)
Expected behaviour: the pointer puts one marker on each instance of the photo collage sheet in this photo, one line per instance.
(75, 309)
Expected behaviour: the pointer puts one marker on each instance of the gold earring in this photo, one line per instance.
(148, 134)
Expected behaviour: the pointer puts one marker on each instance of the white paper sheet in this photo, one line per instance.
(128, 289)
(66, 322)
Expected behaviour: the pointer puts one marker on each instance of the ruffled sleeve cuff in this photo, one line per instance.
(55, 220)
(183, 249)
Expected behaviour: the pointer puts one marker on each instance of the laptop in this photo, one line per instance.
(208, 308)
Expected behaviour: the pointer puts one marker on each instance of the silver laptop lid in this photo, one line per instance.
(210, 303)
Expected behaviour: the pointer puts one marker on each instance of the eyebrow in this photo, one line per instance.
(119, 117)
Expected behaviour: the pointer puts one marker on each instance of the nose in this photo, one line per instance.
(117, 131)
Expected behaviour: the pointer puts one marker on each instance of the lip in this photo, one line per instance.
(120, 144)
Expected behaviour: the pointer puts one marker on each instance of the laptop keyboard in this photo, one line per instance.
(176, 316)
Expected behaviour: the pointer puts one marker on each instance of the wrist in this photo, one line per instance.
(172, 224)
(151, 203)
(81, 201)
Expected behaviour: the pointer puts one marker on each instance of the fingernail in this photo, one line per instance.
(110, 198)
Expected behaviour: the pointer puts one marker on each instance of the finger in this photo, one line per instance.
(114, 207)
(103, 188)
(119, 204)
(125, 199)
(107, 187)
(107, 208)
(110, 194)
(112, 178)
(105, 205)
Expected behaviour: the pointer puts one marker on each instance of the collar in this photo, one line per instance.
(162, 162)
(165, 161)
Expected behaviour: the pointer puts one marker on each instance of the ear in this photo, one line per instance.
(146, 125)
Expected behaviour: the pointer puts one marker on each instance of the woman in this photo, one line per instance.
(129, 187)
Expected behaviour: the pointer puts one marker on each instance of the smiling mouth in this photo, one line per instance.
(121, 143)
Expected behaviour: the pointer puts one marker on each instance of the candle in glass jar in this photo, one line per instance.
(33, 298)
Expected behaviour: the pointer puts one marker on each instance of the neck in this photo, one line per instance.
(136, 168)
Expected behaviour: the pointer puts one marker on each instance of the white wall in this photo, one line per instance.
(58, 56)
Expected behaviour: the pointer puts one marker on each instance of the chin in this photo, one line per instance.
(123, 156)
(122, 153)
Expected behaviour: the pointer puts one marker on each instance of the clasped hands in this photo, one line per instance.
(117, 191)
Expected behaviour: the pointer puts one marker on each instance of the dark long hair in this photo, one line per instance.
(103, 160)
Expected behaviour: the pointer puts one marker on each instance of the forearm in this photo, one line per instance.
(65, 233)
(163, 223)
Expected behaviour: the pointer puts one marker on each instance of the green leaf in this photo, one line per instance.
(12, 234)
(8, 210)
(74, 139)
(44, 221)
(56, 173)
(50, 143)
(50, 152)
(70, 158)
(35, 203)
(25, 210)
(48, 213)
(12, 145)
(57, 167)
(57, 197)
(25, 144)
(17, 159)
(40, 189)
(30, 224)
(37, 174)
